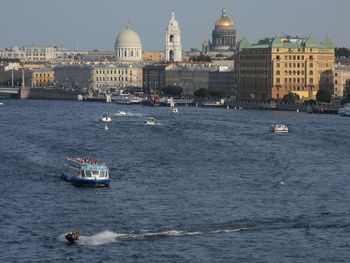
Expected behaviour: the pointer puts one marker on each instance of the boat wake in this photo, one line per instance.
(128, 114)
(106, 237)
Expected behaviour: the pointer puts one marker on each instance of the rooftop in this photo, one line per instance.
(286, 42)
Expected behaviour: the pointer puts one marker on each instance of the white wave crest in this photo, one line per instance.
(101, 238)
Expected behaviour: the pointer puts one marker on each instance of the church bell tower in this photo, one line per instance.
(173, 50)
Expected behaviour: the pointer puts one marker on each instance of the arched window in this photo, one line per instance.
(311, 72)
(277, 72)
(171, 38)
(171, 55)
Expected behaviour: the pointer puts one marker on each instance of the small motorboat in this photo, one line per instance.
(122, 113)
(106, 118)
(72, 237)
(151, 121)
(279, 128)
(174, 110)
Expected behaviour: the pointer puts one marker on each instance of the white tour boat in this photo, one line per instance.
(174, 110)
(345, 111)
(279, 128)
(151, 121)
(106, 118)
(85, 172)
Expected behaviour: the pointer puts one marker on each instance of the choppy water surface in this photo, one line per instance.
(205, 185)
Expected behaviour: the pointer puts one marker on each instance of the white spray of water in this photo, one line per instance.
(106, 237)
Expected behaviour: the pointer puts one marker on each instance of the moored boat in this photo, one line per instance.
(85, 172)
(345, 111)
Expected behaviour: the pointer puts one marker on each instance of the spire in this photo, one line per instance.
(224, 12)
(172, 15)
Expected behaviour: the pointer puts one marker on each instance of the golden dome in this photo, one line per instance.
(224, 20)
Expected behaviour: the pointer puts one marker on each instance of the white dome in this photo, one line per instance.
(128, 46)
(128, 38)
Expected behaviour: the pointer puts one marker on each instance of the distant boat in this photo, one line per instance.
(106, 118)
(279, 128)
(174, 110)
(122, 113)
(1, 103)
(151, 121)
(85, 172)
(345, 111)
(72, 237)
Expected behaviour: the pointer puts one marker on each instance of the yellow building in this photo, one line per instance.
(274, 67)
(153, 56)
(42, 77)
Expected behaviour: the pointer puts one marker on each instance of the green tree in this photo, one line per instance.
(172, 90)
(342, 52)
(218, 93)
(202, 58)
(201, 93)
(323, 95)
(291, 97)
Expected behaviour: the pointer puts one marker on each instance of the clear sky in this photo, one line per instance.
(94, 24)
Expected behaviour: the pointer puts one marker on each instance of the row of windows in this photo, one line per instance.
(294, 65)
(294, 57)
(42, 75)
(111, 72)
(113, 79)
(294, 80)
(294, 72)
(294, 88)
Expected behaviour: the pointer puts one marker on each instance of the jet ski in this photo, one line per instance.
(73, 237)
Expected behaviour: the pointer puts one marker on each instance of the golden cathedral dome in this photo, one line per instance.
(224, 20)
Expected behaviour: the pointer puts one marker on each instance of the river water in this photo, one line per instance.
(203, 185)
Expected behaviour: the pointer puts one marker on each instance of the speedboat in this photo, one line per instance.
(106, 118)
(85, 172)
(73, 237)
(151, 121)
(174, 110)
(279, 128)
(122, 113)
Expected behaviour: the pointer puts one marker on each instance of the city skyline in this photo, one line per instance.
(88, 25)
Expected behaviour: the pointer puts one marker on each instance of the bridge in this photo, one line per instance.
(10, 91)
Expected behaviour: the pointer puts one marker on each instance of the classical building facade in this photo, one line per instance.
(341, 79)
(40, 54)
(274, 67)
(118, 76)
(43, 77)
(223, 38)
(173, 51)
(128, 48)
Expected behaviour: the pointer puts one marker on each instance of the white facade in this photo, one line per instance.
(116, 75)
(128, 47)
(173, 50)
(38, 53)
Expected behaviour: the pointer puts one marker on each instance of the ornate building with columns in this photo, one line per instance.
(128, 48)
(223, 42)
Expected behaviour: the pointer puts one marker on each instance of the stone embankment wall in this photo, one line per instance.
(46, 93)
